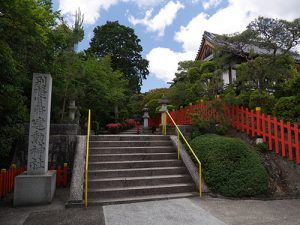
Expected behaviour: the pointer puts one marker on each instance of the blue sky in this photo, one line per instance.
(171, 30)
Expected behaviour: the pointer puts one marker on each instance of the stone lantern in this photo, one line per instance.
(146, 116)
(163, 101)
(72, 109)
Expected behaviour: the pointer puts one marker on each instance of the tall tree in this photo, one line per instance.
(123, 46)
(25, 48)
(102, 88)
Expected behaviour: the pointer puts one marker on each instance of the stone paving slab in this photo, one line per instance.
(252, 212)
(80, 216)
(166, 212)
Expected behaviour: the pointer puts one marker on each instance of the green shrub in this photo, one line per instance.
(229, 166)
(263, 147)
(287, 108)
(221, 128)
(200, 126)
(244, 99)
(265, 101)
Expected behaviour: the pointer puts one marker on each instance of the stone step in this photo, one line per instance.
(120, 150)
(131, 157)
(134, 164)
(140, 190)
(110, 201)
(129, 132)
(127, 137)
(139, 181)
(137, 172)
(94, 144)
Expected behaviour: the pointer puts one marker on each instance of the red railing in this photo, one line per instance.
(283, 137)
(154, 122)
(7, 178)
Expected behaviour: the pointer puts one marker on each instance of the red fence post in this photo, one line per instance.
(289, 140)
(180, 119)
(243, 119)
(297, 143)
(232, 117)
(8, 180)
(276, 138)
(258, 119)
(1, 184)
(65, 174)
(190, 114)
(58, 176)
(281, 124)
(4, 182)
(14, 168)
(252, 123)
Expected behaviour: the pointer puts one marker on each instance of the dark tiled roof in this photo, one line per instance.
(213, 39)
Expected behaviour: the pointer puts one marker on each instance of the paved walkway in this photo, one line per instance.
(185, 211)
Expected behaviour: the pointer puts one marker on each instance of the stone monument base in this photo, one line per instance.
(34, 189)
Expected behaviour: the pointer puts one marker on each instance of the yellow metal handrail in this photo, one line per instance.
(164, 129)
(87, 159)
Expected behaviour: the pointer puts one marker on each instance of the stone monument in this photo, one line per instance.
(37, 184)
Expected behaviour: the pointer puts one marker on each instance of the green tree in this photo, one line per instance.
(102, 89)
(123, 46)
(152, 97)
(25, 48)
(195, 80)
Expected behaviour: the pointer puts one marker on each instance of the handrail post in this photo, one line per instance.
(164, 123)
(178, 145)
(87, 159)
(190, 148)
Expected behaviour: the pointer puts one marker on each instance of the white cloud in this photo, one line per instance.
(145, 3)
(233, 18)
(211, 3)
(163, 62)
(92, 8)
(159, 22)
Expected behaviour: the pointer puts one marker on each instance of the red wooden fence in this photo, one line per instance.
(283, 137)
(7, 178)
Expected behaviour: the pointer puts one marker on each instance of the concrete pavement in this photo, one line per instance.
(205, 211)
(53, 214)
(166, 212)
(184, 211)
(252, 212)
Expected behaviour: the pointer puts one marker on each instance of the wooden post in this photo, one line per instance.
(263, 123)
(297, 143)
(289, 140)
(258, 119)
(4, 182)
(65, 174)
(58, 176)
(1, 185)
(270, 131)
(276, 138)
(252, 123)
(281, 124)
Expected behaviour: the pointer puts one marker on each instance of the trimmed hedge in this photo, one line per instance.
(229, 166)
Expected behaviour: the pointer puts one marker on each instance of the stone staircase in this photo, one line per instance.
(133, 168)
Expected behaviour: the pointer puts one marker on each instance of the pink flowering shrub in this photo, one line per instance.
(114, 128)
(130, 122)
